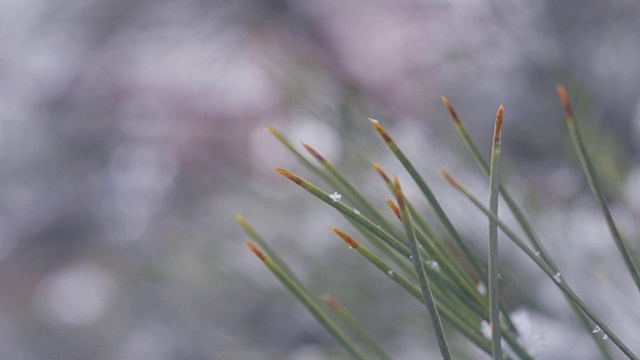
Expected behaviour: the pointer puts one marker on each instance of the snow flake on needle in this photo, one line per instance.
(335, 197)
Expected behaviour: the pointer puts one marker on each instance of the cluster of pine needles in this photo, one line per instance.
(444, 277)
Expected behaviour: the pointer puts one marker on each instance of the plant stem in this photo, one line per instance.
(430, 240)
(590, 172)
(422, 275)
(444, 220)
(353, 324)
(476, 266)
(253, 234)
(348, 212)
(551, 273)
(523, 222)
(333, 177)
(355, 196)
(494, 313)
(458, 317)
(301, 294)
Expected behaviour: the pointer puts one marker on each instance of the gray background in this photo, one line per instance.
(131, 132)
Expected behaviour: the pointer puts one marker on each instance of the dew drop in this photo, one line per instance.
(605, 337)
(596, 329)
(390, 273)
(557, 277)
(485, 329)
(355, 211)
(482, 289)
(434, 265)
(499, 277)
(410, 257)
(537, 253)
(350, 247)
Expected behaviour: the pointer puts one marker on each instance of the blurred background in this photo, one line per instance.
(132, 132)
